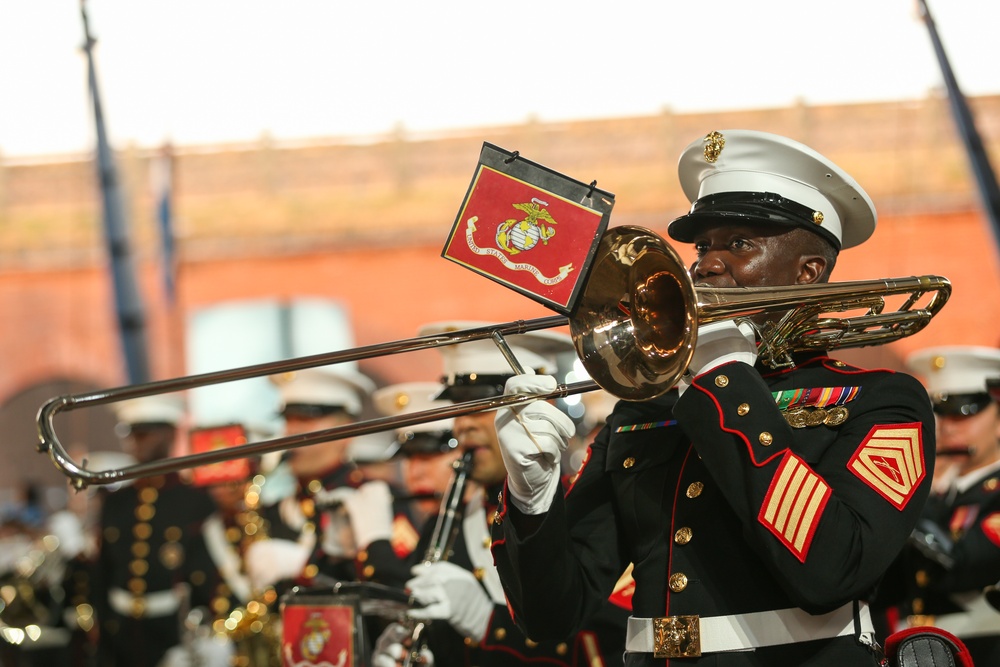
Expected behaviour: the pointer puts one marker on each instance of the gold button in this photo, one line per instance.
(369, 570)
(111, 534)
(469, 642)
(140, 549)
(678, 582)
(138, 607)
(921, 578)
(529, 643)
(308, 507)
(561, 648)
(479, 573)
(991, 484)
(138, 567)
(137, 586)
(721, 381)
(173, 533)
(918, 605)
(314, 486)
(197, 577)
(362, 555)
(629, 462)
(144, 512)
(683, 535)
(142, 531)
(694, 489)
(500, 633)
(765, 438)
(148, 495)
(743, 409)
(312, 570)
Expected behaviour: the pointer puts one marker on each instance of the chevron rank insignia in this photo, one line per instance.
(891, 461)
(794, 504)
(991, 527)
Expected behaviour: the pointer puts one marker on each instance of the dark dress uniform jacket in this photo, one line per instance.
(953, 598)
(599, 643)
(724, 508)
(148, 530)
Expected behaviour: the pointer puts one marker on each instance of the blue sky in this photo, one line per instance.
(209, 71)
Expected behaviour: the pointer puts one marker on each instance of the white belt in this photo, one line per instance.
(690, 636)
(150, 605)
(978, 620)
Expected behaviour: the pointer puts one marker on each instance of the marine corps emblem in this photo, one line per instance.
(714, 143)
(516, 236)
(316, 636)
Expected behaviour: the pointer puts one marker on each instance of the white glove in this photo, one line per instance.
(533, 437)
(212, 650)
(451, 593)
(269, 561)
(721, 342)
(370, 511)
(389, 648)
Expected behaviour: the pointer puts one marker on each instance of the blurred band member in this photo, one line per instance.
(960, 529)
(143, 575)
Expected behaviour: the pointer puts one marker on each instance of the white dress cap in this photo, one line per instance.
(327, 386)
(156, 409)
(536, 350)
(725, 175)
(409, 397)
(955, 369)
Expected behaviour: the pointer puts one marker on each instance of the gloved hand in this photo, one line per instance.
(721, 342)
(269, 561)
(211, 650)
(451, 593)
(533, 437)
(369, 509)
(390, 648)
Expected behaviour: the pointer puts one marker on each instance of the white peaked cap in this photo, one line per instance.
(327, 386)
(536, 350)
(409, 397)
(956, 369)
(831, 202)
(156, 409)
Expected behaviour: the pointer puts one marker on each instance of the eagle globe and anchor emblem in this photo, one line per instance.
(515, 236)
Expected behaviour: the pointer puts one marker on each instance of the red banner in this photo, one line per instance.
(526, 236)
(317, 635)
(219, 437)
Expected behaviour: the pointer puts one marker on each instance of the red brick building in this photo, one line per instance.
(364, 224)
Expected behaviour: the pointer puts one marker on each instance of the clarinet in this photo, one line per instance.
(446, 527)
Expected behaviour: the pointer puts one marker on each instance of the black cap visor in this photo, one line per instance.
(746, 208)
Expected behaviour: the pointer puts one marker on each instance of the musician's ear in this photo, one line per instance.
(812, 269)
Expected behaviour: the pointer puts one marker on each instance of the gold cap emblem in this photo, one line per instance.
(937, 363)
(714, 143)
(818, 217)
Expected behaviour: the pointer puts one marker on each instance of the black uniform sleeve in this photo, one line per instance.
(554, 579)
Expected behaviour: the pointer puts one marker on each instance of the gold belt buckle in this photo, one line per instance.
(676, 637)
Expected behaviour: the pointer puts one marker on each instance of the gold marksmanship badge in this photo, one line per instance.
(802, 417)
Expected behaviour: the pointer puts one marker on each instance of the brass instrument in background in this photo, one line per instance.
(442, 541)
(634, 328)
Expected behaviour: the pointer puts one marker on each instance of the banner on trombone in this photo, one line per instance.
(529, 228)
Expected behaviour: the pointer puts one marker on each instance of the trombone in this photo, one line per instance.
(634, 329)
